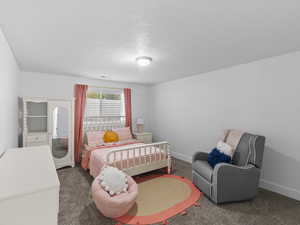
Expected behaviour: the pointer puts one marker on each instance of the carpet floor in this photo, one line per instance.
(268, 208)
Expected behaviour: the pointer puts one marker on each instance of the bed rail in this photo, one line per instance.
(141, 158)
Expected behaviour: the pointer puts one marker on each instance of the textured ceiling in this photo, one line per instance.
(92, 38)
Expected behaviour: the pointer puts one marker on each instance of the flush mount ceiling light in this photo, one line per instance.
(104, 76)
(143, 60)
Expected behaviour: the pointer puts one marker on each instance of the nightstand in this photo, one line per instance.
(145, 137)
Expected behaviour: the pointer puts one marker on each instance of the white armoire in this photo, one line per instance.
(45, 121)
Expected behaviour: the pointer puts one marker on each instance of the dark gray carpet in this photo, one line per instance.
(77, 208)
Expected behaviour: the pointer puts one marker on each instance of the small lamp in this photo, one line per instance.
(140, 125)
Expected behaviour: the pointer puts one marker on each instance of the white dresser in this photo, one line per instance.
(145, 137)
(29, 187)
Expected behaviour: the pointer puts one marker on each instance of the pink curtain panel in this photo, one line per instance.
(80, 100)
(127, 98)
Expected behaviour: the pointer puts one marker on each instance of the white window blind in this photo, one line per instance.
(104, 109)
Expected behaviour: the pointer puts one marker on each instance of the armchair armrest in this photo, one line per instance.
(200, 156)
(234, 183)
(226, 169)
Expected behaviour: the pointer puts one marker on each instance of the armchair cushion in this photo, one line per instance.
(242, 151)
(204, 169)
(233, 171)
(200, 156)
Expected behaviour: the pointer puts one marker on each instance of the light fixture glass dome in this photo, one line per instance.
(143, 60)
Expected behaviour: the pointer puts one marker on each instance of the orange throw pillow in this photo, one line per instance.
(110, 136)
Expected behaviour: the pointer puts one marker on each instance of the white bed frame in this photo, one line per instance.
(160, 159)
(140, 164)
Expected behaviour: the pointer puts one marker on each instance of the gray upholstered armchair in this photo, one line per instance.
(231, 182)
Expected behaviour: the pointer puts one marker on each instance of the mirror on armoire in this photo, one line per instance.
(60, 132)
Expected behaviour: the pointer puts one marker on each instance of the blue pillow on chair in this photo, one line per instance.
(216, 156)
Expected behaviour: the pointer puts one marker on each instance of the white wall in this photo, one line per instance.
(60, 86)
(9, 78)
(262, 97)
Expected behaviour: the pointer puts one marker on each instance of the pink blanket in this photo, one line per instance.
(124, 159)
(86, 153)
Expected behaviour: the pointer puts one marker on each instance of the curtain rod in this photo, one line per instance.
(104, 87)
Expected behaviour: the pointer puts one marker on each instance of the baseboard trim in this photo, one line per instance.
(280, 189)
(181, 156)
(265, 184)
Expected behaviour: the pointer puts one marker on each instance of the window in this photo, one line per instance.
(104, 108)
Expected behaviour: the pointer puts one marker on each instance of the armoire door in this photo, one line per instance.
(61, 132)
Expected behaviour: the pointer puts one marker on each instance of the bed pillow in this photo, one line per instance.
(221, 154)
(110, 136)
(113, 180)
(124, 133)
(95, 138)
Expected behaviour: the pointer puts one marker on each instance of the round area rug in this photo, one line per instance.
(160, 197)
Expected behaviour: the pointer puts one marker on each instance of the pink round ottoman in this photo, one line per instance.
(114, 206)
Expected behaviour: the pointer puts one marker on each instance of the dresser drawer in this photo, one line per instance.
(37, 138)
(145, 137)
(32, 144)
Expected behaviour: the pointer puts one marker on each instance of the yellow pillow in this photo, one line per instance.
(110, 136)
